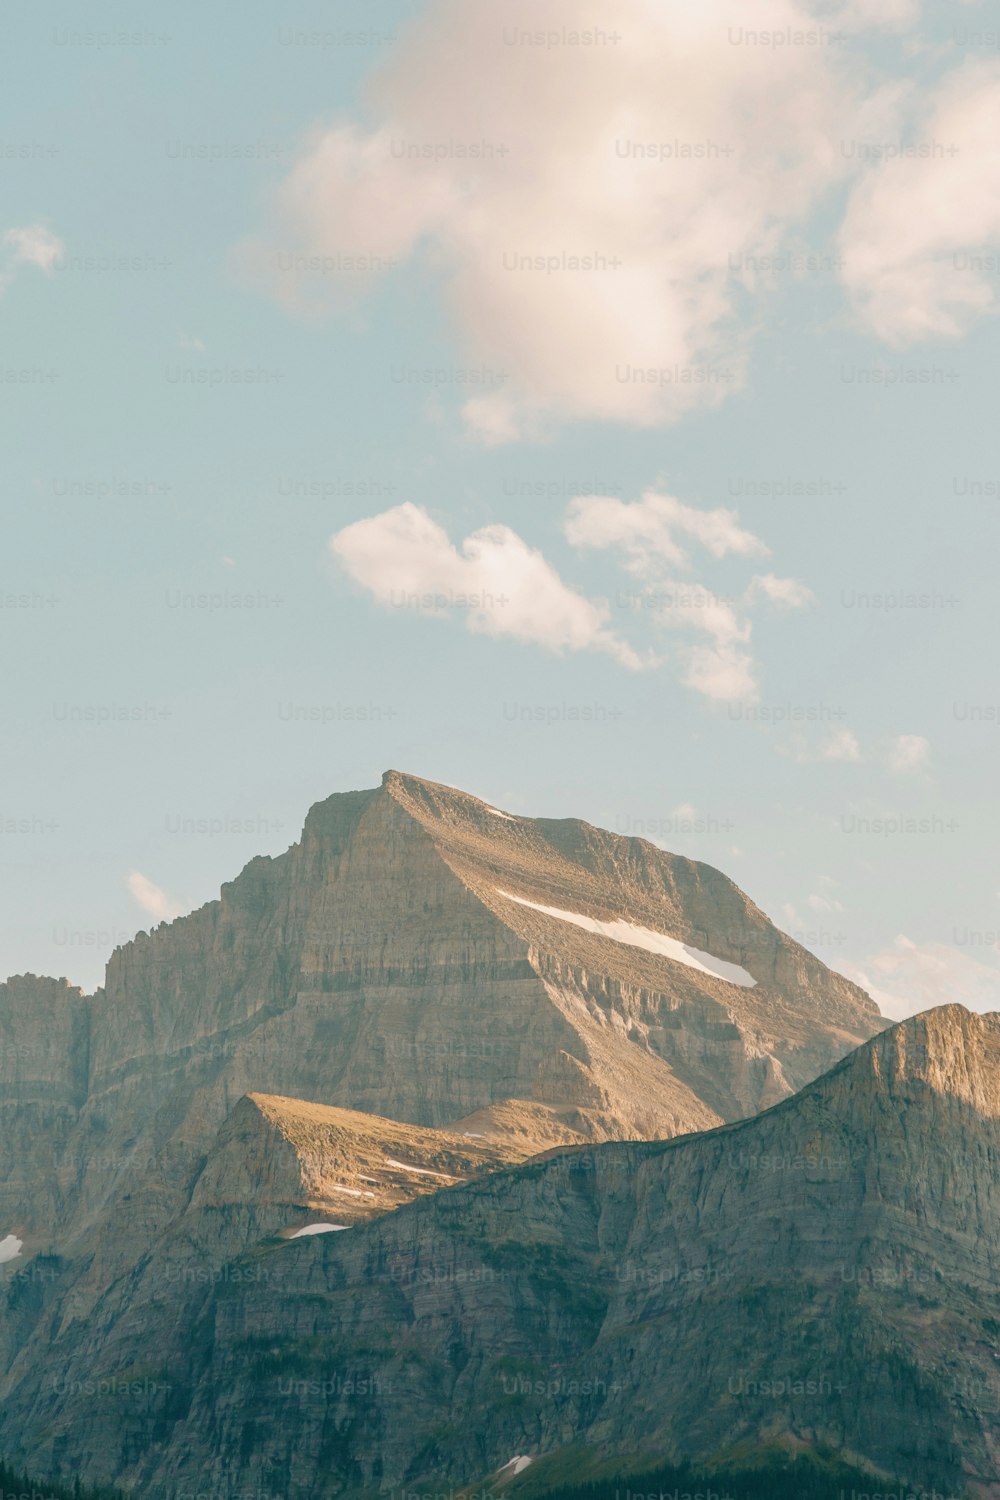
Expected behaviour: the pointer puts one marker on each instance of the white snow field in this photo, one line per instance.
(10, 1248)
(634, 936)
(404, 1166)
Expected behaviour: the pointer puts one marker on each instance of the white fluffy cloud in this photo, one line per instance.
(498, 583)
(648, 531)
(920, 240)
(592, 212)
(29, 245)
(154, 901)
(503, 587)
(908, 752)
(650, 535)
(722, 673)
(911, 977)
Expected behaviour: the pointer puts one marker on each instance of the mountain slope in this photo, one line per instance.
(281, 1162)
(389, 962)
(824, 1275)
(417, 955)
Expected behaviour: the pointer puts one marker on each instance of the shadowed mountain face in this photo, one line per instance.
(823, 1276)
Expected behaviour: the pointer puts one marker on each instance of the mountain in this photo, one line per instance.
(519, 984)
(403, 959)
(823, 1277)
(284, 1161)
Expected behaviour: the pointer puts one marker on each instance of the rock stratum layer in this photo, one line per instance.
(288, 1163)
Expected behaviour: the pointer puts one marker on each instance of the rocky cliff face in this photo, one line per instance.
(417, 955)
(826, 1273)
(278, 1165)
(396, 961)
(377, 965)
(44, 1027)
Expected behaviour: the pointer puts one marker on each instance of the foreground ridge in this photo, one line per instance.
(821, 1278)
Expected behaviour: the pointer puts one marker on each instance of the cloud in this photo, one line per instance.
(840, 745)
(34, 245)
(30, 245)
(908, 752)
(154, 901)
(786, 593)
(825, 904)
(590, 214)
(504, 587)
(722, 673)
(910, 977)
(921, 232)
(653, 536)
(648, 530)
(498, 583)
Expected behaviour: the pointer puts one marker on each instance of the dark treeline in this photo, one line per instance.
(802, 1479)
(14, 1486)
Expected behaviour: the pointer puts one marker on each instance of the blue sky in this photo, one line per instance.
(274, 523)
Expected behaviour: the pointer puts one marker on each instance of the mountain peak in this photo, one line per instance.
(952, 1050)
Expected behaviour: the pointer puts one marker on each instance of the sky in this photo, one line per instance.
(596, 415)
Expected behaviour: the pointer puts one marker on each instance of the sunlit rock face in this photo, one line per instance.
(396, 960)
(524, 984)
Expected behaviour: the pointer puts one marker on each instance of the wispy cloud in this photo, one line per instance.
(908, 753)
(909, 977)
(153, 901)
(786, 593)
(841, 744)
(653, 538)
(29, 245)
(650, 531)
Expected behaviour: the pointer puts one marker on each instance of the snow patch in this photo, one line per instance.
(353, 1192)
(515, 1464)
(421, 1171)
(474, 1135)
(10, 1248)
(498, 814)
(317, 1229)
(634, 936)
